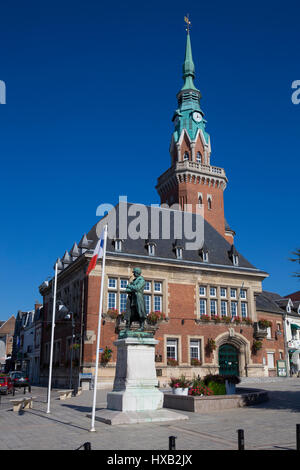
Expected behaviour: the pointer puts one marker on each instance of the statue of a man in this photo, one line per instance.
(135, 308)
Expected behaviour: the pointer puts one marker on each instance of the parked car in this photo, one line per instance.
(19, 379)
(6, 385)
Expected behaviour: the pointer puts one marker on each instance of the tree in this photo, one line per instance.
(296, 259)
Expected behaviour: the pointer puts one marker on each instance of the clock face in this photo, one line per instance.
(197, 117)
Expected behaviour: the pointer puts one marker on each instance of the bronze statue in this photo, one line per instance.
(135, 307)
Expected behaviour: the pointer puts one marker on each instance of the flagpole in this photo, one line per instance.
(99, 332)
(52, 339)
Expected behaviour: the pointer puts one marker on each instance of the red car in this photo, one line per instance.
(6, 385)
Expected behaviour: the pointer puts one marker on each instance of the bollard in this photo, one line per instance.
(297, 436)
(87, 446)
(172, 443)
(241, 441)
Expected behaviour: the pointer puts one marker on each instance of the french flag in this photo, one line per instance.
(98, 253)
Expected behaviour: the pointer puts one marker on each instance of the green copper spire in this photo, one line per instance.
(188, 66)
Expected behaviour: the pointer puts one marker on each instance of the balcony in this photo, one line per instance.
(259, 332)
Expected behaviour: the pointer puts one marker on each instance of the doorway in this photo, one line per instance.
(228, 360)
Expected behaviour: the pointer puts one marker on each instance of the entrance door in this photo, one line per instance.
(228, 360)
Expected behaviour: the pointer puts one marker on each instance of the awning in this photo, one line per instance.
(295, 327)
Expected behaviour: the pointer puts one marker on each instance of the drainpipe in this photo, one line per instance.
(286, 352)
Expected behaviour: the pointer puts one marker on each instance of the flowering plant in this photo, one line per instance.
(195, 362)
(200, 390)
(216, 319)
(205, 317)
(237, 319)
(226, 319)
(264, 323)
(182, 382)
(248, 321)
(155, 317)
(257, 345)
(172, 362)
(211, 344)
(112, 313)
(106, 355)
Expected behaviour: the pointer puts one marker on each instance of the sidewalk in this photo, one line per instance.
(270, 425)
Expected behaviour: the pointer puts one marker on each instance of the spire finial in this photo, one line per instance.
(187, 20)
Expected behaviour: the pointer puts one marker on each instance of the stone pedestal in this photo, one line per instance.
(135, 397)
(135, 381)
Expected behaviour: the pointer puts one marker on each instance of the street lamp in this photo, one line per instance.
(70, 316)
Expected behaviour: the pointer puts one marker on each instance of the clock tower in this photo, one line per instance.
(192, 181)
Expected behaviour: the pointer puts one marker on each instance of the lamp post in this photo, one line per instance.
(70, 315)
(52, 339)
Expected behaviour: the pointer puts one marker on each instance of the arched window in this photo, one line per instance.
(200, 201)
(199, 157)
(209, 203)
(186, 156)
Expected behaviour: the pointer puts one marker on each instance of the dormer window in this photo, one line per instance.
(118, 245)
(186, 156)
(235, 260)
(151, 249)
(234, 256)
(199, 157)
(204, 253)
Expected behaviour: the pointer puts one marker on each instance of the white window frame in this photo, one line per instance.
(195, 346)
(233, 289)
(214, 289)
(169, 345)
(245, 306)
(202, 287)
(234, 314)
(215, 303)
(113, 286)
(224, 302)
(151, 250)
(271, 364)
(202, 302)
(223, 296)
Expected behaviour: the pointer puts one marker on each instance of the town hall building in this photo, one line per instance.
(200, 297)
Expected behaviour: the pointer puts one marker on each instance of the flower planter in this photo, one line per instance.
(180, 391)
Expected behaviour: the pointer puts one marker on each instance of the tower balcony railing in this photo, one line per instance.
(188, 165)
(196, 167)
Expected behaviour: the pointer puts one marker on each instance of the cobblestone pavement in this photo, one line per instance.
(268, 426)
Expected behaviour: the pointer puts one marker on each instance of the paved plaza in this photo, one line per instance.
(267, 426)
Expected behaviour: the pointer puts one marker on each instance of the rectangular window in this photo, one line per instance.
(233, 309)
(223, 292)
(112, 300)
(223, 308)
(172, 349)
(243, 294)
(244, 309)
(148, 303)
(112, 283)
(147, 286)
(123, 283)
(213, 307)
(195, 349)
(269, 332)
(233, 293)
(202, 307)
(123, 301)
(213, 292)
(157, 286)
(157, 303)
(202, 290)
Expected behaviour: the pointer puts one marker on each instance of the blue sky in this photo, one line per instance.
(91, 90)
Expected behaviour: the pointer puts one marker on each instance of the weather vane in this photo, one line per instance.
(187, 20)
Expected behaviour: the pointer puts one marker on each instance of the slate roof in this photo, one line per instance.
(266, 302)
(218, 247)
